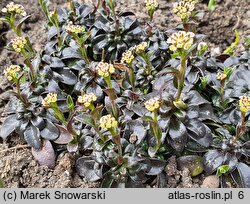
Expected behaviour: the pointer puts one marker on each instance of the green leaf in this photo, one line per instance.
(70, 103)
(222, 170)
(211, 5)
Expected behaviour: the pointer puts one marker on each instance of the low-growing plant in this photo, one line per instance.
(124, 97)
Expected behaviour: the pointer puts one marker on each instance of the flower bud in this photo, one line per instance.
(12, 8)
(18, 44)
(152, 104)
(105, 69)
(244, 103)
(12, 72)
(49, 99)
(181, 40)
(87, 99)
(107, 122)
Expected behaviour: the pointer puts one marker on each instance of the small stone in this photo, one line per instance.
(211, 182)
(215, 51)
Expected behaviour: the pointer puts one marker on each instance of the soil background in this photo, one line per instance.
(17, 166)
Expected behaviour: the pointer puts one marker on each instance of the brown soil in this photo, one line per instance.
(19, 169)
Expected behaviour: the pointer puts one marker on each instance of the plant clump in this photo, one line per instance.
(126, 97)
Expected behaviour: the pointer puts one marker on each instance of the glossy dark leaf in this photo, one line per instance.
(178, 135)
(50, 131)
(8, 126)
(231, 161)
(69, 53)
(85, 168)
(32, 136)
(212, 160)
(157, 166)
(135, 128)
(244, 175)
(199, 132)
(246, 149)
(46, 155)
(38, 122)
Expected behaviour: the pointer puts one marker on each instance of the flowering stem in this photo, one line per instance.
(91, 107)
(131, 77)
(13, 26)
(155, 116)
(28, 63)
(19, 94)
(181, 77)
(117, 139)
(84, 53)
(242, 128)
(108, 81)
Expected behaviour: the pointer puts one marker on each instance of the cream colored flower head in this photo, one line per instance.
(50, 98)
(244, 104)
(18, 44)
(184, 8)
(152, 104)
(87, 99)
(12, 72)
(151, 5)
(105, 69)
(181, 40)
(107, 122)
(221, 76)
(127, 57)
(13, 8)
(74, 29)
(141, 47)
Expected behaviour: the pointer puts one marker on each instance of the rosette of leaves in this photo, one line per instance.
(29, 121)
(83, 15)
(233, 154)
(134, 170)
(224, 94)
(184, 123)
(158, 48)
(147, 64)
(58, 75)
(89, 81)
(114, 35)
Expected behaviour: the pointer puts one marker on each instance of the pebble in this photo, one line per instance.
(211, 182)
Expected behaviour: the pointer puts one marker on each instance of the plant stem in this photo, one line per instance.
(242, 128)
(131, 77)
(28, 63)
(181, 77)
(108, 81)
(84, 53)
(155, 116)
(117, 140)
